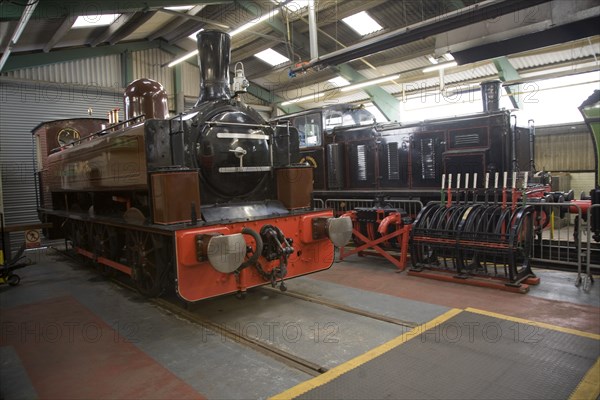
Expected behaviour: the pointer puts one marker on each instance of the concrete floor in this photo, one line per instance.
(68, 333)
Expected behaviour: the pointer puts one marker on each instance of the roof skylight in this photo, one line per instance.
(272, 57)
(295, 5)
(193, 35)
(179, 8)
(362, 23)
(87, 21)
(338, 81)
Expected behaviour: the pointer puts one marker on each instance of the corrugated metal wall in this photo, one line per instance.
(151, 64)
(566, 149)
(190, 77)
(24, 105)
(98, 71)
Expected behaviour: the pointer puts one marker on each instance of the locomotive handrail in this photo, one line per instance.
(237, 124)
(99, 133)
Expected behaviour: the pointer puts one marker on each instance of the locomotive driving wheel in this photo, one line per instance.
(104, 241)
(79, 234)
(146, 259)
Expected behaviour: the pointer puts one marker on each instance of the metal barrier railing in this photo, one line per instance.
(341, 206)
(560, 245)
(588, 279)
(318, 204)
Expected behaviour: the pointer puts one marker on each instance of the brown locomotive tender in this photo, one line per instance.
(208, 201)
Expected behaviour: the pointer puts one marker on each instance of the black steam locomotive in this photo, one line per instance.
(209, 201)
(355, 157)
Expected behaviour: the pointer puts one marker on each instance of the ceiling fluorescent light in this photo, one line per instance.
(272, 57)
(362, 23)
(315, 97)
(370, 82)
(252, 23)
(86, 21)
(183, 58)
(440, 66)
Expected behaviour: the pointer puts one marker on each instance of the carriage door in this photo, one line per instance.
(310, 133)
(426, 159)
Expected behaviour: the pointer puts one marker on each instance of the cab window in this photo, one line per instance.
(332, 120)
(309, 129)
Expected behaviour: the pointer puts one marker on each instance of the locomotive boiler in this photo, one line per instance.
(209, 201)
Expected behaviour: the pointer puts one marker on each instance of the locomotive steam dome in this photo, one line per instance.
(231, 148)
(145, 96)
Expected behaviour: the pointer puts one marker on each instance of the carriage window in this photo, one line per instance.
(309, 129)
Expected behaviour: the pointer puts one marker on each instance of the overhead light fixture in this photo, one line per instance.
(87, 21)
(448, 56)
(370, 82)
(272, 57)
(183, 58)
(432, 60)
(362, 23)
(295, 5)
(179, 8)
(440, 66)
(316, 96)
(339, 81)
(232, 33)
(252, 23)
(193, 35)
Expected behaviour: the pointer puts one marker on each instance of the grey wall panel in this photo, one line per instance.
(23, 105)
(564, 148)
(190, 78)
(151, 64)
(102, 71)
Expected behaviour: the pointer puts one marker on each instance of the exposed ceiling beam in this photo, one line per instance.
(183, 31)
(23, 20)
(385, 102)
(112, 29)
(249, 51)
(173, 24)
(36, 59)
(195, 18)
(382, 100)
(333, 14)
(62, 30)
(56, 9)
(507, 72)
(133, 25)
(433, 26)
(270, 97)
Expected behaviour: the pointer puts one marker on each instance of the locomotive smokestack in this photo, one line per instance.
(214, 52)
(490, 95)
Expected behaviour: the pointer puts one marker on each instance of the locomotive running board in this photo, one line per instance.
(105, 261)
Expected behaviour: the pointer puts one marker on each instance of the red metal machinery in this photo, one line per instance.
(380, 232)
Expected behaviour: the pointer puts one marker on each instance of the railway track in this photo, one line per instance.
(175, 306)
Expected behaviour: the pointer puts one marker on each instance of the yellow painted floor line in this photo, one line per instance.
(589, 387)
(534, 323)
(363, 358)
